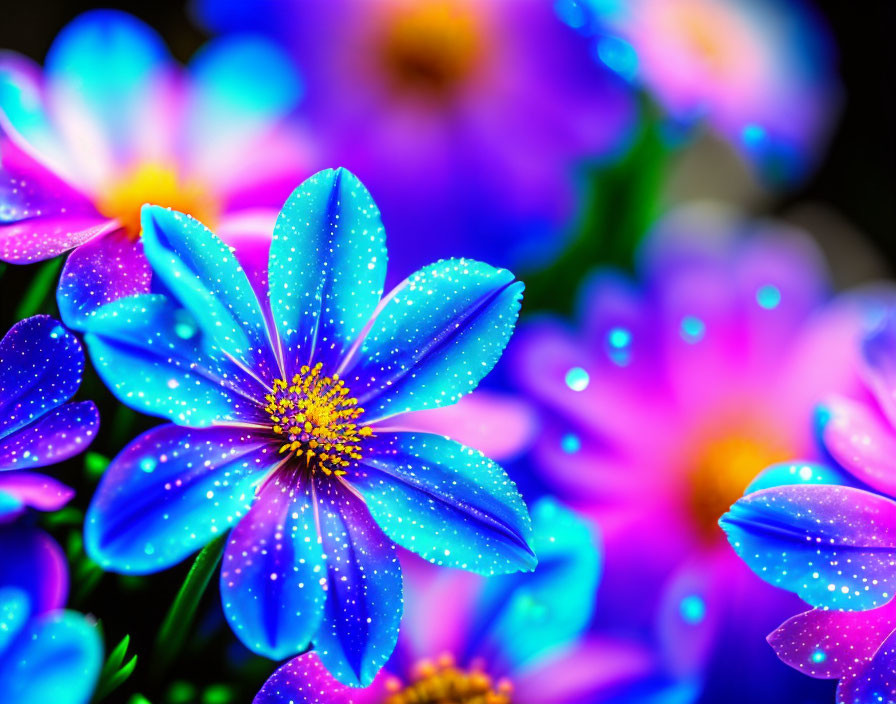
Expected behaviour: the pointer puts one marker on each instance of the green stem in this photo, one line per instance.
(43, 283)
(180, 616)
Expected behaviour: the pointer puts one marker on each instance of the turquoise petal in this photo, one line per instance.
(202, 274)
(56, 659)
(364, 598)
(169, 493)
(448, 503)
(834, 546)
(786, 473)
(14, 612)
(524, 617)
(327, 267)
(436, 336)
(151, 355)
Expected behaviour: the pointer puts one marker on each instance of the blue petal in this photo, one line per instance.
(15, 608)
(446, 502)
(40, 368)
(272, 578)
(834, 546)
(796, 473)
(56, 658)
(522, 617)
(202, 273)
(32, 561)
(242, 86)
(169, 492)
(150, 353)
(62, 433)
(327, 266)
(364, 600)
(100, 70)
(437, 335)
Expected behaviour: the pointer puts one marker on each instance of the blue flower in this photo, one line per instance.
(281, 427)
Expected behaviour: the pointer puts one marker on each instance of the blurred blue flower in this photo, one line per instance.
(282, 424)
(517, 638)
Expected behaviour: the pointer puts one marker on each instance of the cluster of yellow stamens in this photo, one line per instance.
(317, 418)
(442, 682)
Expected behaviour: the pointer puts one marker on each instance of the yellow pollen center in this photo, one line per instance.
(444, 683)
(316, 418)
(428, 48)
(722, 468)
(156, 185)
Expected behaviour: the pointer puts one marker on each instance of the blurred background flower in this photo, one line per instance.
(113, 122)
(465, 119)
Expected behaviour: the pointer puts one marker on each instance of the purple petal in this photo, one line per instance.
(860, 439)
(829, 644)
(40, 368)
(834, 546)
(364, 589)
(877, 682)
(879, 350)
(36, 490)
(272, 578)
(105, 269)
(304, 680)
(62, 433)
(41, 216)
(169, 493)
(32, 561)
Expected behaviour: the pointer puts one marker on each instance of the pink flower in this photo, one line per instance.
(112, 122)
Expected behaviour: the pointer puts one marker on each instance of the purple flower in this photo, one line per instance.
(111, 123)
(465, 118)
(664, 402)
(282, 429)
(835, 543)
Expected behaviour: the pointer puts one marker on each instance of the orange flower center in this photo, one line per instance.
(444, 683)
(722, 467)
(429, 48)
(316, 417)
(156, 185)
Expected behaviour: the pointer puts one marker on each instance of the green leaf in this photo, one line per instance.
(95, 464)
(67, 516)
(217, 694)
(43, 284)
(621, 204)
(113, 675)
(138, 699)
(176, 625)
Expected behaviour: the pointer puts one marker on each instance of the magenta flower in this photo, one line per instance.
(111, 123)
(464, 118)
(668, 399)
(511, 638)
(760, 72)
(835, 544)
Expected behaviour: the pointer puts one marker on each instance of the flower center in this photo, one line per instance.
(315, 417)
(444, 683)
(721, 469)
(429, 48)
(156, 185)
